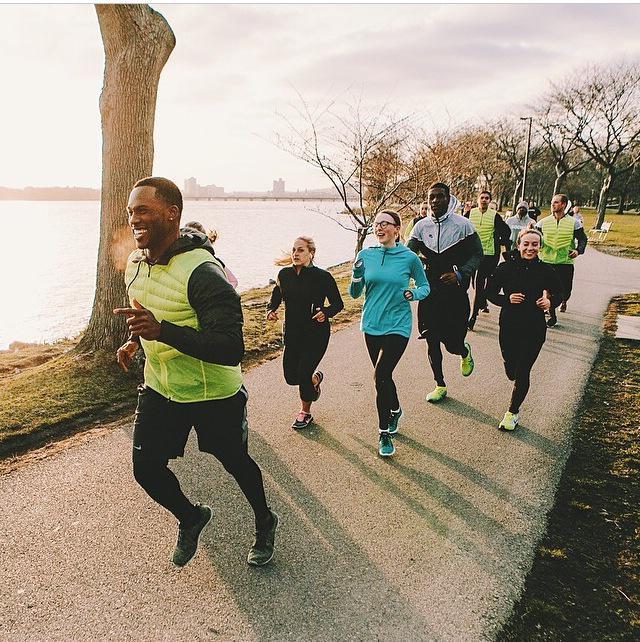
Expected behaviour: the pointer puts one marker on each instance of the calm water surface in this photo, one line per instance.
(48, 254)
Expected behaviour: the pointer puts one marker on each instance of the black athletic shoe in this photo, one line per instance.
(262, 550)
(303, 420)
(471, 323)
(551, 321)
(188, 537)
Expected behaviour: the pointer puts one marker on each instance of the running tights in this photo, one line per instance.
(159, 482)
(385, 352)
(302, 356)
(565, 274)
(434, 351)
(486, 268)
(519, 354)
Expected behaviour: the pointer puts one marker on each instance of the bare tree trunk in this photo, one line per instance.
(137, 43)
(604, 196)
(561, 176)
(361, 236)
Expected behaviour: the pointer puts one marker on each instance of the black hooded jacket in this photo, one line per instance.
(214, 301)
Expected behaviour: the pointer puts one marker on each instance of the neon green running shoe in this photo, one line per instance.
(437, 394)
(466, 363)
(510, 421)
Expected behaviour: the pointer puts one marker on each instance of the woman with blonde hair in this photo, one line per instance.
(525, 288)
(304, 288)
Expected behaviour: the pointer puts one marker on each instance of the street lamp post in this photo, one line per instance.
(526, 156)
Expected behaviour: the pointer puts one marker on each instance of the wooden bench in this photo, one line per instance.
(599, 234)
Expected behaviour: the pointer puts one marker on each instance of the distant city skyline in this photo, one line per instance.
(236, 67)
(190, 189)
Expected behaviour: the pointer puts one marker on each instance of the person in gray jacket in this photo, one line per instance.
(519, 221)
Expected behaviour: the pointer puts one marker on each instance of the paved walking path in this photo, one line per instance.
(433, 544)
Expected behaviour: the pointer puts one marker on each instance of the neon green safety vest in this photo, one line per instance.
(162, 289)
(484, 224)
(557, 239)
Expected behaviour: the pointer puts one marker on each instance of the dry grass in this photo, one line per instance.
(48, 392)
(585, 580)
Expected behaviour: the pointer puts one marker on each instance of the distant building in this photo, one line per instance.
(278, 187)
(192, 189)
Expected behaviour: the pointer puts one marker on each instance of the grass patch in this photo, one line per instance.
(585, 580)
(48, 392)
(624, 237)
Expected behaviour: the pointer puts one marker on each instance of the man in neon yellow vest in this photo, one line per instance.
(493, 233)
(564, 240)
(188, 318)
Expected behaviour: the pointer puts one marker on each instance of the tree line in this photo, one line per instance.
(584, 140)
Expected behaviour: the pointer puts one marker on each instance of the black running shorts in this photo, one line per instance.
(161, 427)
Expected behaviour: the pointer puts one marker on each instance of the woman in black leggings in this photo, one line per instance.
(304, 288)
(383, 273)
(524, 287)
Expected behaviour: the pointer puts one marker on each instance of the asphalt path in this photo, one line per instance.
(432, 544)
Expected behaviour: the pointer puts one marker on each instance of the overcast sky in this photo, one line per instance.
(234, 67)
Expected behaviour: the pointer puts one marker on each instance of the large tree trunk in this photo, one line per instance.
(137, 43)
(604, 196)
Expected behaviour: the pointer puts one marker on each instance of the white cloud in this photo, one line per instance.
(233, 67)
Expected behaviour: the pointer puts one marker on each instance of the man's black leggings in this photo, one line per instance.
(565, 274)
(302, 356)
(519, 353)
(161, 429)
(385, 352)
(486, 268)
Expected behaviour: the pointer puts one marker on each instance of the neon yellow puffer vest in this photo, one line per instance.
(558, 239)
(484, 224)
(162, 289)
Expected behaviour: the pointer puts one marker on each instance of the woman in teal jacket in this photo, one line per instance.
(383, 273)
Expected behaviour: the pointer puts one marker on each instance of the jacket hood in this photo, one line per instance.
(188, 240)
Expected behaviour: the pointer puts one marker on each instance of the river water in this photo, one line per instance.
(48, 255)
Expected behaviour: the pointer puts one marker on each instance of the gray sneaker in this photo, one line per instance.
(187, 544)
(262, 550)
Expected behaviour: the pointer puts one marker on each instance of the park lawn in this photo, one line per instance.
(624, 237)
(48, 391)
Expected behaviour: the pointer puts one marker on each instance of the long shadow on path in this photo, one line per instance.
(321, 584)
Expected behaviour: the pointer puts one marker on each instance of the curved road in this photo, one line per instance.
(433, 544)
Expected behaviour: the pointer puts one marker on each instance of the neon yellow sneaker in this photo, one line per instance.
(466, 363)
(510, 421)
(437, 394)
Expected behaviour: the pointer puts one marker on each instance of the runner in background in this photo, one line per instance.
(564, 239)
(423, 210)
(520, 221)
(305, 289)
(493, 233)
